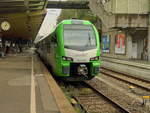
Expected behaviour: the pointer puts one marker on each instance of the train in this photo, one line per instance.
(72, 50)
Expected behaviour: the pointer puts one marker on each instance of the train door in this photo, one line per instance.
(53, 50)
(48, 50)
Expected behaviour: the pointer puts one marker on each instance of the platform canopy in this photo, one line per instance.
(21, 18)
(7, 6)
(68, 4)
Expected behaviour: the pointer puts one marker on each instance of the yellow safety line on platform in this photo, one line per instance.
(33, 100)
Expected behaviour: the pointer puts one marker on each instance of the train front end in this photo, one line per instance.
(80, 59)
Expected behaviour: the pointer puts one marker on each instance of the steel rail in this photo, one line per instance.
(128, 81)
(108, 98)
(98, 93)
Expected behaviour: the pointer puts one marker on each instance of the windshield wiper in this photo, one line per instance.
(89, 41)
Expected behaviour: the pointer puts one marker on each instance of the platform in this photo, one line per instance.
(134, 68)
(24, 87)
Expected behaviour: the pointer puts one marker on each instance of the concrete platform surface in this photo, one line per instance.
(136, 63)
(23, 87)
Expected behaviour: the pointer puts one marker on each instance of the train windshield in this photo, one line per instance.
(79, 37)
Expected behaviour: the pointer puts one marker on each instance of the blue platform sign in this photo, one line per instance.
(105, 44)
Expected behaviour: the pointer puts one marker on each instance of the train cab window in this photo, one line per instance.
(79, 37)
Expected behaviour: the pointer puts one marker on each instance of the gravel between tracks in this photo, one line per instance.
(117, 94)
(130, 85)
(95, 103)
(90, 100)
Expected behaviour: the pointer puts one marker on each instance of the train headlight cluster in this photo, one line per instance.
(94, 58)
(67, 58)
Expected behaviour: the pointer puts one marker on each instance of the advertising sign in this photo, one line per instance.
(105, 44)
(120, 43)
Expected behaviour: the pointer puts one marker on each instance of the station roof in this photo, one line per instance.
(68, 4)
(8, 6)
(24, 17)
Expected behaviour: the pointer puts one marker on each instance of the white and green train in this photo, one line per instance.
(72, 50)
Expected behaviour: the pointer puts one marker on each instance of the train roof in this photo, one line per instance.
(75, 21)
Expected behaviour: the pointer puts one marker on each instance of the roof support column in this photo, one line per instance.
(26, 3)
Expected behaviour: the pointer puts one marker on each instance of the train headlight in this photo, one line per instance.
(67, 58)
(94, 58)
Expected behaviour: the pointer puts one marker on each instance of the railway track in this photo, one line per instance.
(98, 96)
(135, 81)
(118, 95)
(93, 101)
